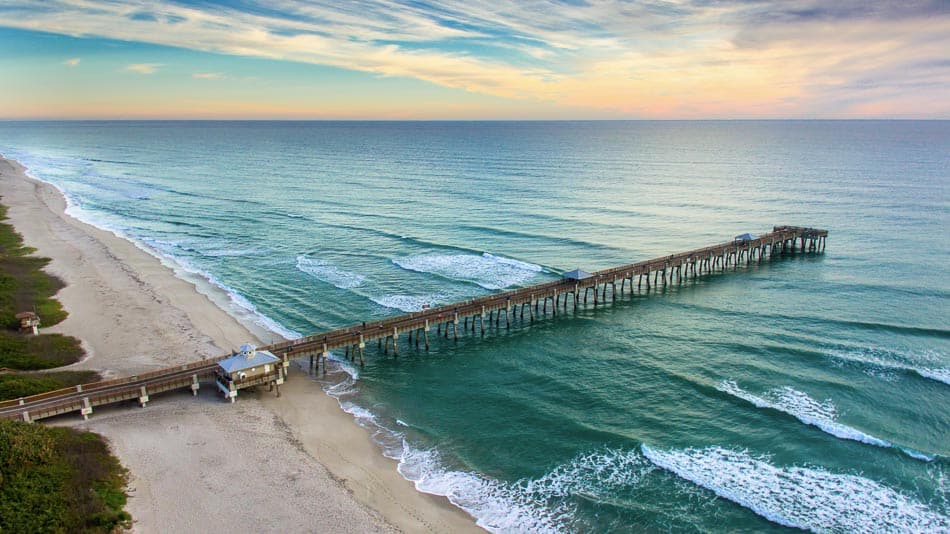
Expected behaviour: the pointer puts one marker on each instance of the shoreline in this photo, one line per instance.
(135, 312)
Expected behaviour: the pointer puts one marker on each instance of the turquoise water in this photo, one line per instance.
(810, 391)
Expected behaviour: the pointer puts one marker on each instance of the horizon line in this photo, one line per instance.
(746, 119)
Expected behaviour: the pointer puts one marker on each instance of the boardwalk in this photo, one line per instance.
(472, 315)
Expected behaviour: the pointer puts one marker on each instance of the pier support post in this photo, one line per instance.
(194, 385)
(143, 396)
(86, 408)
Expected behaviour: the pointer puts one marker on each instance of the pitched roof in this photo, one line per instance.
(239, 363)
(577, 274)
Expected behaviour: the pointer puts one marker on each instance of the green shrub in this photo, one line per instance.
(51, 479)
(58, 480)
(38, 352)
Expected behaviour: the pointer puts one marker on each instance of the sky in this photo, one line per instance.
(474, 59)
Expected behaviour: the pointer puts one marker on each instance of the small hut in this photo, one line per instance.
(577, 274)
(745, 237)
(29, 322)
(249, 367)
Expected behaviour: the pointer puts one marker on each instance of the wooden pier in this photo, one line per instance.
(472, 316)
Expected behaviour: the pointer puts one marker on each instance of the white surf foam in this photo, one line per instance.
(938, 374)
(487, 270)
(807, 498)
(329, 273)
(232, 252)
(919, 455)
(514, 263)
(881, 362)
(529, 505)
(410, 303)
(205, 283)
(344, 365)
(804, 408)
(238, 305)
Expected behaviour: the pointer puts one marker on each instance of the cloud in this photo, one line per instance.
(676, 58)
(71, 62)
(144, 68)
(207, 75)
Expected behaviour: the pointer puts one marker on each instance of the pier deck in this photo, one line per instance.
(537, 300)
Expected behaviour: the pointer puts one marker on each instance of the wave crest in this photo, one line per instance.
(799, 405)
(488, 271)
(529, 505)
(928, 364)
(807, 498)
(327, 272)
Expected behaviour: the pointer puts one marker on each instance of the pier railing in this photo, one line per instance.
(533, 299)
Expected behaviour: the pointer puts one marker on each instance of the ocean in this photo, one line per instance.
(809, 391)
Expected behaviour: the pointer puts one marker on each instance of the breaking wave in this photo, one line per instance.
(822, 415)
(801, 497)
(410, 303)
(879, 362)
(542, 504)
(327, 272)
(488, 271)
(804, 408)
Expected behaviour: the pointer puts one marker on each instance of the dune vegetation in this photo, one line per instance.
(51, 479)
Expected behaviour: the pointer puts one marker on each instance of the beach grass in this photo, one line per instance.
(25, 286)
(29, 353)
(55, 479)
(51, 479)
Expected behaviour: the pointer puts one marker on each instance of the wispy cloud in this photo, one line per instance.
(71, 62)
(651, 58)
(144, 68)
(207, 75)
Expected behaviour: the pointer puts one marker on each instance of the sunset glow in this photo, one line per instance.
(473, 59)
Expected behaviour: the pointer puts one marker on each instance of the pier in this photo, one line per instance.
(415, 329)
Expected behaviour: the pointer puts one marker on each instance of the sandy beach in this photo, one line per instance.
(297, 463)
